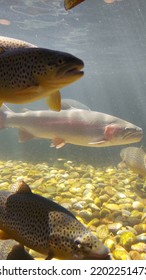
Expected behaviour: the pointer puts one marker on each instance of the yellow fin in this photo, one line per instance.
(54, 101)
(1, 103)
(4, 235)
(20, 187)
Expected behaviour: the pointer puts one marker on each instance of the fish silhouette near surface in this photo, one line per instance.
(75, 126)
(135, 159)
(45, 226)
(29, 74)
(12, 250)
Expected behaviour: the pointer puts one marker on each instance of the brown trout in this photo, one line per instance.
(135, 159)
(74, 126)
(28, 74)
(45, 226)
(7, 44)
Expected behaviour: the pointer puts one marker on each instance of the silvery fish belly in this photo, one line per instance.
(74, 126)
(45, 226)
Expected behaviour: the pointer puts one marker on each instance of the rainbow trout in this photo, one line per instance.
(45, 226)
(135, 159)
(75, 126)
(28, 74)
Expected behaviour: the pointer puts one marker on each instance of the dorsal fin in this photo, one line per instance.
(20, 187)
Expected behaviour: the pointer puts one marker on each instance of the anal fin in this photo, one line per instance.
(25, 136)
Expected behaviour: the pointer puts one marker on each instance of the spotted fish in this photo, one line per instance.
(28, 74)
(7, 44)
(45, 226)
(135, 159)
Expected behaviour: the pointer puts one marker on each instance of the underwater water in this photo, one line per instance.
(110, 39)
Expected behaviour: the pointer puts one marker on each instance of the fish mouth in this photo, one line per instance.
(73, 71)
(135, 135)
(104, 255)
(99, 257)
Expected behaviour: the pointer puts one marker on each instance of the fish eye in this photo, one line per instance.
(78, 243)
(60, 61)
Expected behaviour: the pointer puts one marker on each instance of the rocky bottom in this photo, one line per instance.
(109, 201)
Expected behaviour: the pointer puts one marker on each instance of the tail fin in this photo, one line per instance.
(3, 115)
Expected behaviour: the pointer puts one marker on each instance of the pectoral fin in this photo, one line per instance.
(4, 235)
(19, 253)
(54, 101)
(57, 143)
(97, 142)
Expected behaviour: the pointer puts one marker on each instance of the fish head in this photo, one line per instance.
(61, 69)
(71, 240)
(88, 247)
(122, 133)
